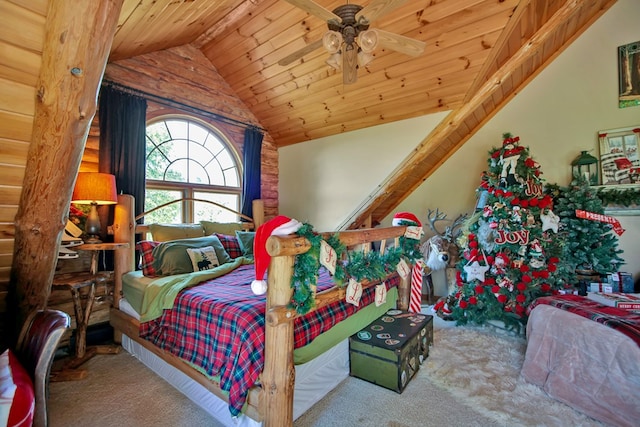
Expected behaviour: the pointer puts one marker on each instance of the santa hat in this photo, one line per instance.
(406, 218)
(278, 226)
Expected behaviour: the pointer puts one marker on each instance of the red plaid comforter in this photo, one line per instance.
(218, 326)
(624, 321)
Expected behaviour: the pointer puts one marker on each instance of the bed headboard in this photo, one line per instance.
(124, 230)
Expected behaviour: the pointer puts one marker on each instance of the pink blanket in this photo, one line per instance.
(590, 367)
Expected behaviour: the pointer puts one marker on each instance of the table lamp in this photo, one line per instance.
(93, 188)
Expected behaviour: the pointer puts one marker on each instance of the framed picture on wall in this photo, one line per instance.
(629, 75)
(619, 157)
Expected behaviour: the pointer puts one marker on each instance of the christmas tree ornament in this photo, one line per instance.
(550, 221)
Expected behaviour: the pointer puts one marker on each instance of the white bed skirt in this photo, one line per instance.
(314, 380)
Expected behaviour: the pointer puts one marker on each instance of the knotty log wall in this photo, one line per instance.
(181, 74)
(22, 29)
(185, 75)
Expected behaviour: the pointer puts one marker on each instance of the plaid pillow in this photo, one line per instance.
(146, 256)
(230, 244)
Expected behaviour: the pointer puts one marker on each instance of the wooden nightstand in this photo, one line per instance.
(82, 287)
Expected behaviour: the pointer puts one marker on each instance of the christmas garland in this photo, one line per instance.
(627, 197)
(359, 265)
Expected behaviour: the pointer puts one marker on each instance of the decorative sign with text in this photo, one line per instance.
(602, 218)
(354, 292)
(328, 257)
(403, 269)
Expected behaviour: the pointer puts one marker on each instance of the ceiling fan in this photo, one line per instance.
(349, 40)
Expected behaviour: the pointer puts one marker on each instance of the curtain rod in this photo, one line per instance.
(176, 104)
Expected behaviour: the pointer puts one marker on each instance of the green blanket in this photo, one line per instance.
(162, 292)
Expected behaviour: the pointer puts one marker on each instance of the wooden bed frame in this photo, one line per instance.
(272, 403)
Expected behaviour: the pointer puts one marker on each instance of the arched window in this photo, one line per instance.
(187, 158)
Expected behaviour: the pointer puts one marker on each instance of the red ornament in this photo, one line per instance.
(473, 300)
(521, 298)
(526, 278)
(545, 287)
(519, 309)
(533, 202)
(524, 268)
(495, 289)
(502, 299)
(463, 304)
(521, 287)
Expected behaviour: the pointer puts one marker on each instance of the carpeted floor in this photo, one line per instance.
(471, 378)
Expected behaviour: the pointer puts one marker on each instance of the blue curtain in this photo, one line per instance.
(123, 123)
(252, 169)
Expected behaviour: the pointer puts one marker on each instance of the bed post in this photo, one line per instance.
(278, 376)
(124, 231)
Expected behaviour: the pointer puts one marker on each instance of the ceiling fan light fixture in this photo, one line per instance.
(368, 40)
(332, 41)
(335, 60)
(364, 58)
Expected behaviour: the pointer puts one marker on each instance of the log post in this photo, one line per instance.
(124, 231)
(278, 376)
(78, 37)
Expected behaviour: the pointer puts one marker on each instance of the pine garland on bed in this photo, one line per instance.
(359, 265)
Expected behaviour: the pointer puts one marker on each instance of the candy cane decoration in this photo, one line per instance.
(415, 302)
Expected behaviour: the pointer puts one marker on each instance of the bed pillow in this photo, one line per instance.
(146, 257)
(230, 244)
(171, 258)
(245, 239)
(203, 258)
(166, 232)
(228, 228)
(17, 396)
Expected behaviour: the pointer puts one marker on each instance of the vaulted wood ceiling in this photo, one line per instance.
(479, 54)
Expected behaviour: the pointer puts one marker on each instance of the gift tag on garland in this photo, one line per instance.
(354, 292)
(328, 257)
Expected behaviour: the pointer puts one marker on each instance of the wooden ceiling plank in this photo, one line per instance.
(21, 27)
(501, 45)
(457, 117)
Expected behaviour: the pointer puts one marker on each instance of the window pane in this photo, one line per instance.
(177, 129)
(177, 171)
(231, 176)
(208, 212)
(197, 174)
(171, 214)
(197, 133)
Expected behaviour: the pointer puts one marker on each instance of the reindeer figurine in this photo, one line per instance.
(440, 251)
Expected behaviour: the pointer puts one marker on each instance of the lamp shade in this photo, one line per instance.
(93, 187)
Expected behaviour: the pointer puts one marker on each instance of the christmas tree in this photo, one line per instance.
(589, 244)
(510, 248)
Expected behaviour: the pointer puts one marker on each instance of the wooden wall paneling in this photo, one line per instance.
(18, 64)
(63, 114)
(15, 126)
(21, 26)
(13, 152)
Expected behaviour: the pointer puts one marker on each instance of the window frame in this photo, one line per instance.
(187, 189)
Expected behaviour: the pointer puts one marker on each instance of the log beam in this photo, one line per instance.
(78, 38)
(278, 375)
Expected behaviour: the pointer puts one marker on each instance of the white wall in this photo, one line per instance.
(557, 115)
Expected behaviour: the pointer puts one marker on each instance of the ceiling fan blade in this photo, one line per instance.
(315, 9)
(377, 8)
(349, 66)
(300, 53)
(402, 44)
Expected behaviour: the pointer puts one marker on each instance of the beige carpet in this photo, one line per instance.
(471, 378)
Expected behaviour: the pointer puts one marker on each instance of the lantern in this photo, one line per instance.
(586, 165)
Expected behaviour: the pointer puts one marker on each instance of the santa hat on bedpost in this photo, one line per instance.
(278, 226)
(406, 218)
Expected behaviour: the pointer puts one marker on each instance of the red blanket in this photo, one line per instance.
(624, 321)
(218, 326)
